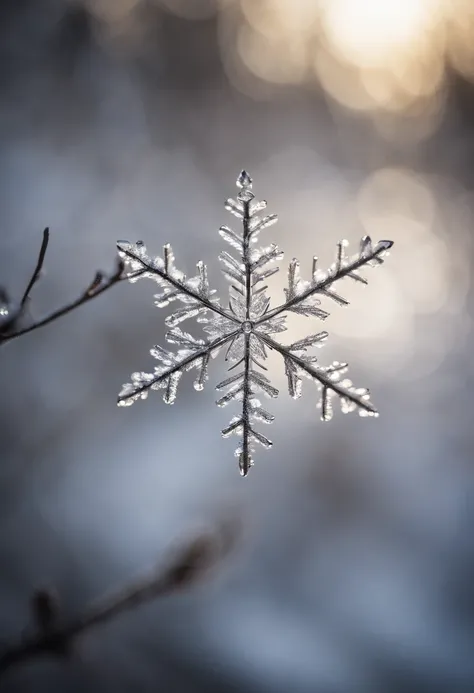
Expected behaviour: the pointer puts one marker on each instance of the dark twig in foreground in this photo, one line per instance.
(56, 640)
(10, 327)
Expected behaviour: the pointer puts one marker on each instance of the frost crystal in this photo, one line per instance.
(246, 327)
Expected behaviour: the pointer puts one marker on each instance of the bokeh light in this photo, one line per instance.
(374, 57)
(369, 33)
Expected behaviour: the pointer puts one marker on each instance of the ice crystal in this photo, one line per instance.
(247, 325)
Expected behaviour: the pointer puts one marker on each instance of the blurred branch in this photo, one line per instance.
(56, 640)
(12, 316)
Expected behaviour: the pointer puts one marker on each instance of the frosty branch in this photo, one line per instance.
(246, 326)
(12, 317)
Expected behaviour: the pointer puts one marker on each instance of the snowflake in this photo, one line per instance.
(247, 325)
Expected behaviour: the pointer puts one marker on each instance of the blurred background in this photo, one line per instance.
(131, 119)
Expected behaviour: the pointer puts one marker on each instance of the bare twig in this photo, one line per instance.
(39, 266)
(56, 640)
(10, 328)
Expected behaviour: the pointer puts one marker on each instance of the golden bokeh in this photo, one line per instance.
(375, 33)
(371, 56)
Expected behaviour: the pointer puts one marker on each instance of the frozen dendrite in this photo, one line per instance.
(246, 326)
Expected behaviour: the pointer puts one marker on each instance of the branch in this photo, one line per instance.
(55, 640)
(39, 266)
(101, 282)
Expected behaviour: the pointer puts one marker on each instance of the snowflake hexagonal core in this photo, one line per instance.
(246, 326)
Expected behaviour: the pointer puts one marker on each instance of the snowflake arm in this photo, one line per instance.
(194, 354)
(247, 326)
(302, 296)
(328, 379)
(194, 292)
(246, 305)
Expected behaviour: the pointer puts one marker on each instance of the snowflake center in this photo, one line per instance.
(247, 327)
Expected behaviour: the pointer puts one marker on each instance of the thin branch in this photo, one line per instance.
(98, 286)
(186, 568)
(39, 266)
